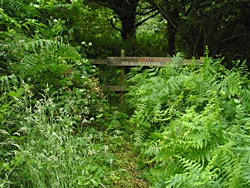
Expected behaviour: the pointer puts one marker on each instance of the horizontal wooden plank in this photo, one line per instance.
(98, 61)
(138, 61)
(114, 88)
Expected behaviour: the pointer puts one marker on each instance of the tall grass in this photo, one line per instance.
(41, 146)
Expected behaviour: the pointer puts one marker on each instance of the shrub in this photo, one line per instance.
(192, 124)
(51, 114)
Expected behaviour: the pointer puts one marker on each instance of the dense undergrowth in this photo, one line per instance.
(189, 125)
(192, 124)
(56, 127)
(56, 141)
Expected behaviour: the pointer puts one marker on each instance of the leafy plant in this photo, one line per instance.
(49, 100)
(191, 124)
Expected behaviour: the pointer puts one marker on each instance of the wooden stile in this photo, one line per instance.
(135, 61)
(138, 61)
(98, 61)
(123, 62)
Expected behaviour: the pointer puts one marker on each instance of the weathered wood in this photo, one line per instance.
(138, 61)
(98, 61)
(123, 62)
(114, 88)
(122, 78)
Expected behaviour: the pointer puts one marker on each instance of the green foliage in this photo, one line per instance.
(192, 124)
(41, 145)
(63, 138)
(149, 37)
(56, 128)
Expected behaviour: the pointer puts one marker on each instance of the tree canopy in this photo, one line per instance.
(223, 26)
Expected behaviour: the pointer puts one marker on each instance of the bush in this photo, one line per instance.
(192, 124)
(51, 115)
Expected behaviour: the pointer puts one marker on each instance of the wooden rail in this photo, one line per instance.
(123, 62)
(98, 61)
(135, 61)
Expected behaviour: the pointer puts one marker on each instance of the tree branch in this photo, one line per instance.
(144, 20)
(165, 14)
(146, 13)
(113, 25)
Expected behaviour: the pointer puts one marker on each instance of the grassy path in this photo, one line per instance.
(130, 176)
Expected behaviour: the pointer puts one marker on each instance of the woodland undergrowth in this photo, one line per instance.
(189, 125)
(192, 123)
(56, 126)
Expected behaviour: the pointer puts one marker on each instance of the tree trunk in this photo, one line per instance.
(171, 32)
(128, 26)
(126, 11)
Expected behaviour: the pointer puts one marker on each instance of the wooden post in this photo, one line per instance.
(122, 78)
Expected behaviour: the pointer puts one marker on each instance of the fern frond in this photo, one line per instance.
(230, 165)
(246, 173)
(58, 69)
(245, 95)
(11, 5)
(58, 6)
(231, 84)
(152, 150)
(59, 49)
(190, 166)
(202, 118)
(140, 136)
(176, 181)
(9, 19)
(194, 176)
(177, 60)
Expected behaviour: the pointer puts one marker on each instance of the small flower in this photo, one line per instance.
(36, 5)
(84, 121)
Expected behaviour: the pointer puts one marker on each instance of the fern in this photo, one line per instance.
(48, 59)
(194, 176)
(195, 124)
(140, 137)
(177, 60)
(230, 85)
(64, 51)
(177, 181)
(19, 9)
(151, 91)
(59, 6)
(245, 94)
(8, 20)
(10, 6)
(151, 149)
